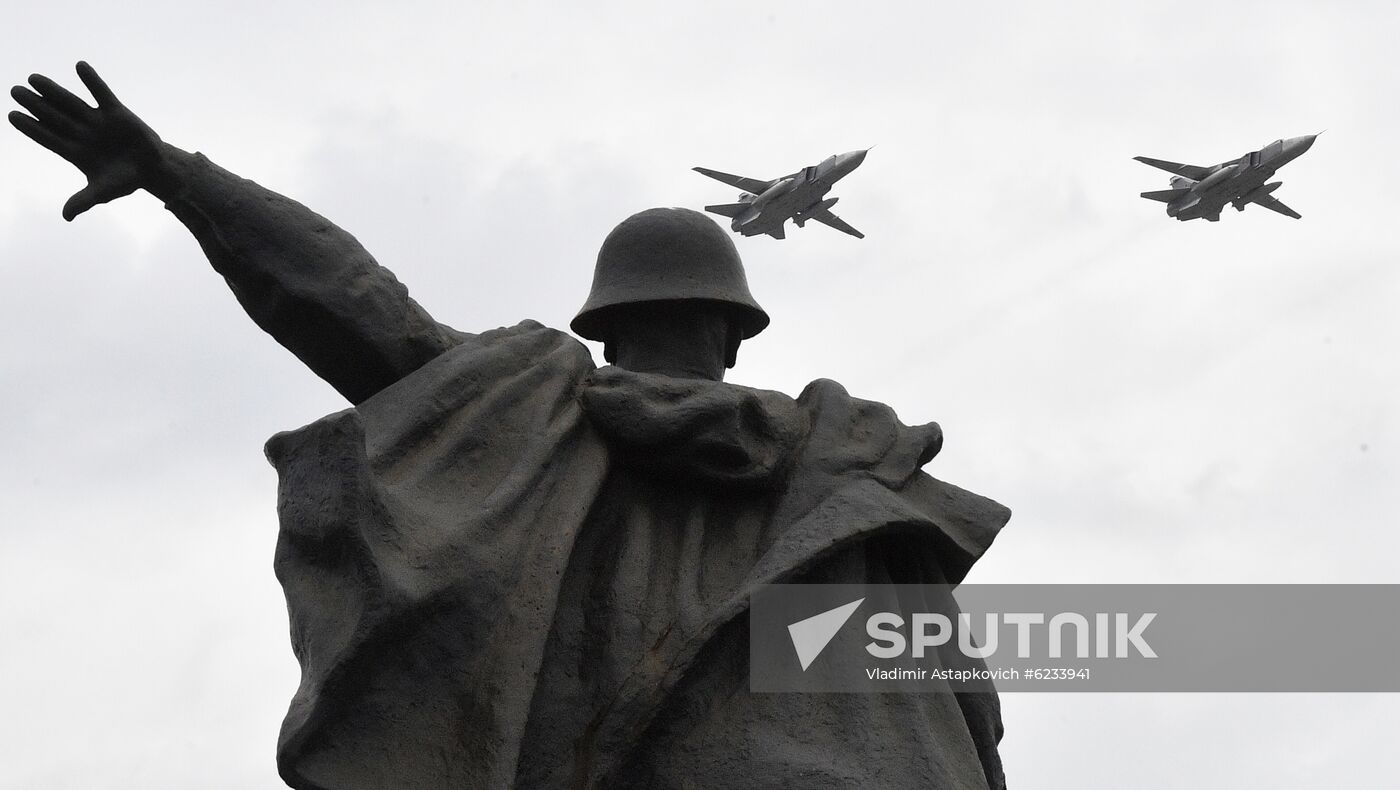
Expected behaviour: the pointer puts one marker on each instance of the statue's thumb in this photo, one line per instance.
(81, 201)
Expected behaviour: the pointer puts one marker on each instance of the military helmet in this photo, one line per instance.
(666, 255)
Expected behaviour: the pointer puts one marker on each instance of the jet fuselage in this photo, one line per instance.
(798, 196)
(1238, 182)
(791, 196)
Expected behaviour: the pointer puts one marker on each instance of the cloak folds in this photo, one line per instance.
(509, 569)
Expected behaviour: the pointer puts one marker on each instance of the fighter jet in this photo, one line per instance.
(765, 206)
(1204, 191)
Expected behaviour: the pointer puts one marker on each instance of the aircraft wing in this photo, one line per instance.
(752, 185)
(1274, 204)
(1193, 172)
(825, 217)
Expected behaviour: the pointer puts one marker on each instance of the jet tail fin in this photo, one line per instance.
(1166, 195)
(727, 209)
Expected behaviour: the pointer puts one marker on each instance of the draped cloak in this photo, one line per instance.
(509, 569)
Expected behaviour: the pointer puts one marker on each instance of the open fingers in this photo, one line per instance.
(42, 135)
(43, 110)
(61, 98)
(94, 83)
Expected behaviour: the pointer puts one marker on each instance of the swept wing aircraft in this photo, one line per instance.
(765, 206)
(1203, 191)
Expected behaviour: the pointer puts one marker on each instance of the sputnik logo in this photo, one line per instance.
(811, 636)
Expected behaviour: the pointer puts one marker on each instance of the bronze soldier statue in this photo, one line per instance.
(505, 568)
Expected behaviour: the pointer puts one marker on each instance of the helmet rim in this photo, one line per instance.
(667, 255)
(591, 322)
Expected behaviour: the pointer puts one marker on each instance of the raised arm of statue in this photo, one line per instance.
(302, 279)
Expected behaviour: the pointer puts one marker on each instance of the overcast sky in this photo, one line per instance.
(1157, 401)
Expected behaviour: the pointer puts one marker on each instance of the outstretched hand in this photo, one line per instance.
(115, 149)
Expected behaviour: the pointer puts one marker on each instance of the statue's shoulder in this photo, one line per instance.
(850, 432)
(534, 363)
(528, 329)
(863, 440)
(528, 342)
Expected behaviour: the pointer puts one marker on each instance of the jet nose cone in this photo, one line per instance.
(851, 160)
(1297, 145)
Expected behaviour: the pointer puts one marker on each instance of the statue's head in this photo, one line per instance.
(670, 296)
